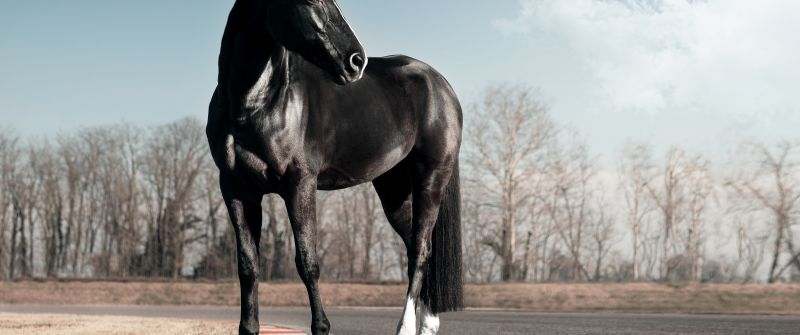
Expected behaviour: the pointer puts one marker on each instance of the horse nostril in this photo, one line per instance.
(356, 62)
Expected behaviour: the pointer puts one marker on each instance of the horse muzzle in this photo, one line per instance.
(353, 68)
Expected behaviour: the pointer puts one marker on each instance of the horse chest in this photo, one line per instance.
(262, 151)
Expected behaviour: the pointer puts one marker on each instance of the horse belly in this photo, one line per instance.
(359, 167)
(373, 129)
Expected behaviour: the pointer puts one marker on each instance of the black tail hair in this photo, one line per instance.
(443, 288)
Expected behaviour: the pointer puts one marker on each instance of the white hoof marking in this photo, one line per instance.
(408, 324)
(429, 322)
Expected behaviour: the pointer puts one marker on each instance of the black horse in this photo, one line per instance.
(296, 109)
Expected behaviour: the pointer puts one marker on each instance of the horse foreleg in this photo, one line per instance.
(301, 205)
(245, 214)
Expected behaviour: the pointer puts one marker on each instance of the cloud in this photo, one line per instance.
(735, 57)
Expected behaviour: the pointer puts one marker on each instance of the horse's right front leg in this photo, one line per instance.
(245, 212)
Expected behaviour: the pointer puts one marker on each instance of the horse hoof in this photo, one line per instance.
(404, 330)
(428, 330)
(248, 329)
(322, 328)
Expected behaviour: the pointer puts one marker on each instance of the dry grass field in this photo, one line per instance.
(24, 324)
(613, 297)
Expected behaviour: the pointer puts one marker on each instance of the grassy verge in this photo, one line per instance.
(628, 297)
(23, 324)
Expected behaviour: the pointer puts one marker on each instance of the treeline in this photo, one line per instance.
(541, 207)
(113, 201)
(130, 202)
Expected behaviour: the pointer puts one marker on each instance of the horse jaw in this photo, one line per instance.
(408, 324)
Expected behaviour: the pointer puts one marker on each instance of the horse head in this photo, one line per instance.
(317, 30)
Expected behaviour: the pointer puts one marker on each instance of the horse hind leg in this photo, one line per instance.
(442, 288)
(429, 188)
(414, 222)
(395, 191)
(429, 321)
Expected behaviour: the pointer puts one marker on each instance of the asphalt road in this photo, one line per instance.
(383, 321)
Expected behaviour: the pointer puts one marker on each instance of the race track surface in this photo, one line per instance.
(383, 321)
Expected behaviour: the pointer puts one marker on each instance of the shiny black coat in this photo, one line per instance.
(298, 107)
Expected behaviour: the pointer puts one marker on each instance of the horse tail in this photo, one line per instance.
(443, 288)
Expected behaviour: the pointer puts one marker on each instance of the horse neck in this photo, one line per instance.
(267, 91)
(259, 78)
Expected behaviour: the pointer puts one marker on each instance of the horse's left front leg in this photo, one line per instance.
(301, 205)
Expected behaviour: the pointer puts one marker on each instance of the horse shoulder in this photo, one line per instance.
(215, 131)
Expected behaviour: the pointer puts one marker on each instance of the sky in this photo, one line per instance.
(699, 74)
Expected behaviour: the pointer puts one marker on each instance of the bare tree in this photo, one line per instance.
(49, 207)
(751, 235)
(774, 185)
(370, 205)
(347, 231)
(571, 203)
(667, 191)
(218, 259)
(751, 247)
(635, 172)
(22, 187)
(476, 221)
(174, 158)
(507, 133)
(699, 189)
(9, 155)
(603, 238)
(127, 195)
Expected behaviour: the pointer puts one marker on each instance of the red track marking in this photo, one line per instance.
(271, 330)
(274, 330)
